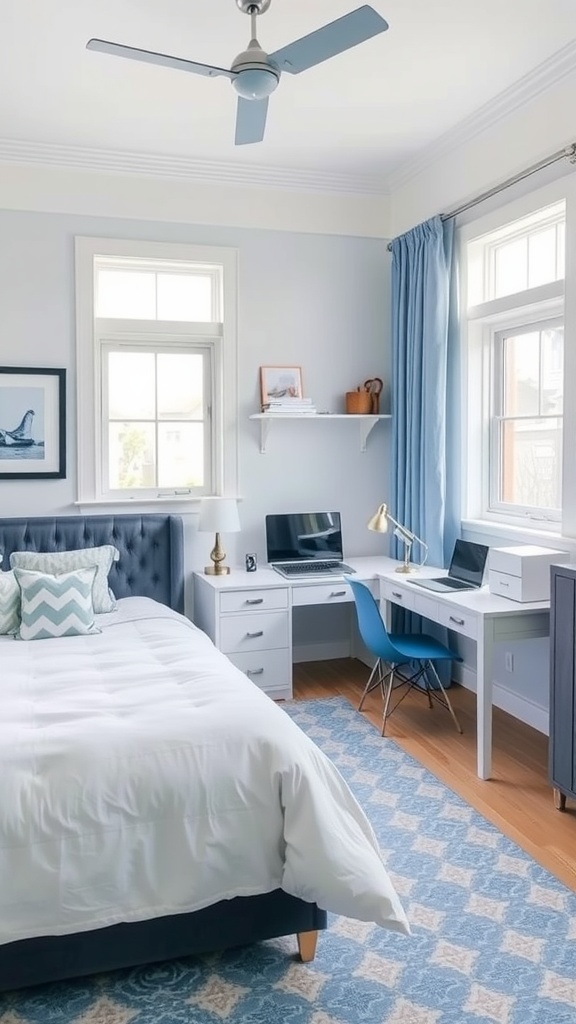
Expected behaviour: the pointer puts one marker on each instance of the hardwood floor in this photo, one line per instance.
(518, 799)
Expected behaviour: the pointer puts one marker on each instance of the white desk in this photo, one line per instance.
(483, 617)
(249, 617)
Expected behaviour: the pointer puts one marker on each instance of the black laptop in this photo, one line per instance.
(305, 544)
(466, 569)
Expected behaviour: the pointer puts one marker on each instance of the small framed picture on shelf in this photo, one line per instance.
(280, 382)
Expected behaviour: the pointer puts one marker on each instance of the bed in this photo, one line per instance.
(158, 716)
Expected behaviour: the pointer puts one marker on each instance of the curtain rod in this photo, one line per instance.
(568, 153)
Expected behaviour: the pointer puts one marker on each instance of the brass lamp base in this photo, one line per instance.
(406, 568)
(217, 555)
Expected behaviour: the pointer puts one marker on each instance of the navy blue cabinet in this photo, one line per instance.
(563, 683)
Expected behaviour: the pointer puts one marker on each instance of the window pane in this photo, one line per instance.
(180, 454)
(131, 455)
(532, 462)
(542, 257)
(125, 293)
(553, 371)
(511, 267)
(521, 375)
(131, 386)
(180, 386)
(185, 297)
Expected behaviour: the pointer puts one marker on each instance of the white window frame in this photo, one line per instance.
(478, 326)
(91, 334)
(497, 333)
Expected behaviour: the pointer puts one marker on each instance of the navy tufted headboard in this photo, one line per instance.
(151, 549)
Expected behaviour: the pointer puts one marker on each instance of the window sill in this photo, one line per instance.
(504, 533)
(178, 504)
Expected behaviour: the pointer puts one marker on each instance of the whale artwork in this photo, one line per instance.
(21, 436)
(32, 423)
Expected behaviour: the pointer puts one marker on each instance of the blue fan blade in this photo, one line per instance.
(149, 57)
(330, 40)
(250, 120)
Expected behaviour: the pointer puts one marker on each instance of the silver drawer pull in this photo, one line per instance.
(502, 584)
(338, 593)
(459, 622)
(251, 636)
(254, 600)
(254, 671)
(396, 594)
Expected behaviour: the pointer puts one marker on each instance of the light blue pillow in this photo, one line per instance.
(56, 606)
(9, 603)
(56, 562)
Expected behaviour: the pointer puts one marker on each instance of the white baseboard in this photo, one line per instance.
(320, 652)
(525, 710)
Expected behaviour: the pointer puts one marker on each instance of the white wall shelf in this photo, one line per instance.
(365, 423)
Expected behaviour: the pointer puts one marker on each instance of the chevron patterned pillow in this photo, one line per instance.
(55, 606)
(56, 562)
(9, 603)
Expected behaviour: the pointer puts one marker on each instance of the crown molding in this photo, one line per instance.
(557, 67)
(212, 172)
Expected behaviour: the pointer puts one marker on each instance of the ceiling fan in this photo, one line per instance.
(254, 73)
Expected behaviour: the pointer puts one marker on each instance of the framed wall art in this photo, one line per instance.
(32, 423)
(280, 382)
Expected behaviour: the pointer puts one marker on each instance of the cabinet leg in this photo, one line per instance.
(559, 800)
(307, 946)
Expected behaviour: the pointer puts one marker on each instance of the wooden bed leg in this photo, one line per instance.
(559, 800)
(307, 946)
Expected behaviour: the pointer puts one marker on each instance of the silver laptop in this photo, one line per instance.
(466, 569)
(300, 544)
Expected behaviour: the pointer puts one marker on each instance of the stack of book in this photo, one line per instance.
(294, 406)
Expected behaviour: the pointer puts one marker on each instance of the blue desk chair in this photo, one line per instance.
(393, 650)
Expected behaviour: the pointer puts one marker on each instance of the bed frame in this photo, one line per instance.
(151, 564)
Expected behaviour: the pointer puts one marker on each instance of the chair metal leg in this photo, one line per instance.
(376, 671)
(445, 695)
(389, 688)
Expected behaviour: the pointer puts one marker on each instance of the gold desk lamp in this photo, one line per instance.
(380, 524)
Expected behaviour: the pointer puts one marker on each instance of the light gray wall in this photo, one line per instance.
(318, 301)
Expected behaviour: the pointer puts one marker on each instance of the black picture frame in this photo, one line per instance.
(32, 423)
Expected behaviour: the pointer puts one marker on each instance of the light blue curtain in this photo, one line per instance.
(425, 378)
(425, 484)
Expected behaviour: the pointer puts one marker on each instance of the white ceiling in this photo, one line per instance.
(362, 114)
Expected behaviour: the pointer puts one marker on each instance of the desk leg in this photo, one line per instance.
(484, 677)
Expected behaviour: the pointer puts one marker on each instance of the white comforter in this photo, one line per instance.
(142, 774)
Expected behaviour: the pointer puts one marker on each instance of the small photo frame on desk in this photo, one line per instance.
(280, 382)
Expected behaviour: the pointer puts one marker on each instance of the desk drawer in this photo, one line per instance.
(397, 594)
(270, 670)
(259, 600)
(256, 631)
(460, 620)
(322, 593)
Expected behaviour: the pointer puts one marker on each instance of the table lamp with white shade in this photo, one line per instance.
(380, 523)
(218, 515)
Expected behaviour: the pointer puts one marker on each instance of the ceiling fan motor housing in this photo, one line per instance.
(256, 75)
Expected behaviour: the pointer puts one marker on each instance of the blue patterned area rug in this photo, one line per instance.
(494, 934)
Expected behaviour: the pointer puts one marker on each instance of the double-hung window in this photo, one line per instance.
(156, 371)
(514, 324)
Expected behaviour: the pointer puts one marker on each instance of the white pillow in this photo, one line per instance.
(56, 562)
(9, 603)
(56, 606)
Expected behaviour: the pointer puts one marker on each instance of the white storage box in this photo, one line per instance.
(523, 573)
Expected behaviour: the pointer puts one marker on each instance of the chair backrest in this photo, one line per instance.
(371, 625)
